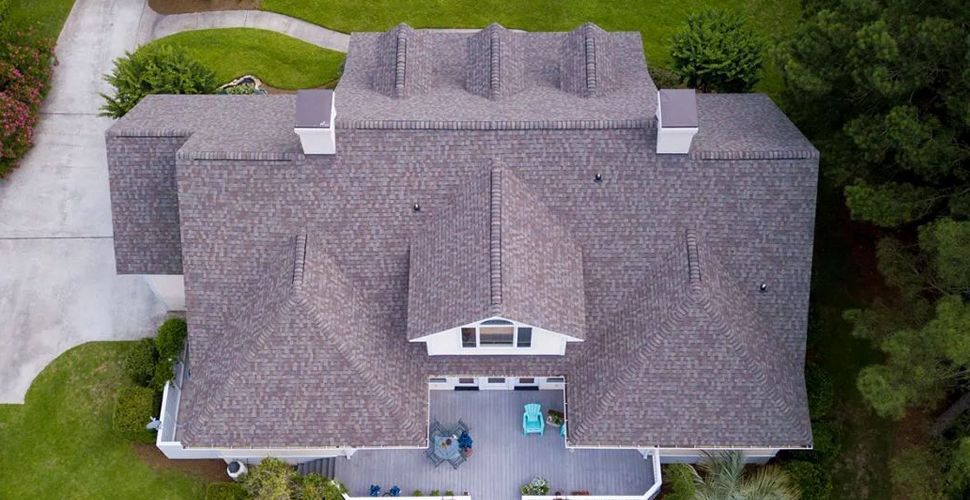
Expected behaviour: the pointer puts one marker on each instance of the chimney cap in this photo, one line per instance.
(678, 108)
(313, 108)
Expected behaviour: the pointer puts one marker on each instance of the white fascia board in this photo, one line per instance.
(515, 323)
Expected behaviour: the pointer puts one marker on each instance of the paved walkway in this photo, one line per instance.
(58, 287)
(159, 26)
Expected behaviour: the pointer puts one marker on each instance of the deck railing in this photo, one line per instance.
(426, 497)
(649, 495)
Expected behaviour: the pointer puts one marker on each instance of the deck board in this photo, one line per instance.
(504, 459)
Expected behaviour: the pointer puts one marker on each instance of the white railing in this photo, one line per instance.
(649, 495)
(170, 410)
(426, 497)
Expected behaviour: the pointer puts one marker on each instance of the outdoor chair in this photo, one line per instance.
(456, 462)
(435, 459)
(435, 429)
(532, 421)
(462, 427)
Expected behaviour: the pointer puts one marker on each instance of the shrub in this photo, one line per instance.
(242, 89)
(171, 338)
(538, 486)
(25, 71)
(916, 473)
(814, 480)
(826, 441)
(225, 491)
(164, 371)
(665, 78)
(679, 482)
(272, 479)
(316, 487)
(4, 7)
(417, 493)
(821, 391)
(134, 408)
(140, 362)
(717, 52)
(163, 69)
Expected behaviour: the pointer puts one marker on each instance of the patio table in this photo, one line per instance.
(446, 452)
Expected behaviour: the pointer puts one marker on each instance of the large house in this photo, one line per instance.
(469, 211)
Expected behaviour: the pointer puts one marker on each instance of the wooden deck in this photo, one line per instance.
(504, 459)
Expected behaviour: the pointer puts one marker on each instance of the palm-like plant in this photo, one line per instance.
(723, 477)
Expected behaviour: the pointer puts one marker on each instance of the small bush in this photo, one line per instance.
(316, 487)
(171, 338)
(717, 52)
(140, 362)
(242, 89)
(538, 486)
(821, 391)
(4, 7)
(164, 371)
(154, 70)
(814, 480)
(679, 482)
(134, 408)
(417, 493)
(826, 441)
(225, 491)
(665, 78)
(272, 479)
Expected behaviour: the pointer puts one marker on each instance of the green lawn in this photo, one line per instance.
(45, 16)
(843, 278)
(59, 444)
(656, 20)
(278, 60)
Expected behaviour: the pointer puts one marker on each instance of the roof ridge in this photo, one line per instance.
(299, 259)
(693, 261)
(495, 61)
(495, 234)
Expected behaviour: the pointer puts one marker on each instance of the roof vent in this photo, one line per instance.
(676, 120)
(315, 115)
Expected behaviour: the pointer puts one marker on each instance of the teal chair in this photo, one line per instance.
(532, 421)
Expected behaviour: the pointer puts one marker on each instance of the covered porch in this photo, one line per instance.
(503, 458)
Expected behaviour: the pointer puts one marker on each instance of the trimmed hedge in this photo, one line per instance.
(140, 362)
(133, 410)
(171, 338)
(164, 371)
(821, 391)
(225, 491)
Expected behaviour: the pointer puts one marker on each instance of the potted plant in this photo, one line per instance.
(537, 487)
(465, 444)
(555, 418)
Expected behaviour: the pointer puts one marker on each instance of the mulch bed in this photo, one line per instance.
(184, 6)
(207, 470)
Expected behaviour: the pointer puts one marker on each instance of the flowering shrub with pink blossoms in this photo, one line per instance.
(25, 74)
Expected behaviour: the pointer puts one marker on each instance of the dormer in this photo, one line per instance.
(496, 273)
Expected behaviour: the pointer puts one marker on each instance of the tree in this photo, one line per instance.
(723, 476)
(883, 86)
(717, 52)
(272, 479)
(156, 70)
(922, 364)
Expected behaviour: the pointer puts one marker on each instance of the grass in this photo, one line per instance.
(656, 20)
(45, 16)
(59, 444)
(278, 60)
(844, 277)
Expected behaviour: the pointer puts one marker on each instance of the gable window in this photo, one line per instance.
(468, 337)
(496, 333)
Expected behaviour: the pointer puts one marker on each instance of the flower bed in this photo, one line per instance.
(25, 73)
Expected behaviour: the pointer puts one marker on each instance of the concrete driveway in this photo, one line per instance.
(58, 286)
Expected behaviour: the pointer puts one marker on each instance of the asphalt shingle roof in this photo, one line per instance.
(497, 252)
(666, 361)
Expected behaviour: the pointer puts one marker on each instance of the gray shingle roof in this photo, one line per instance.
(746, 190)
(497, 252)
